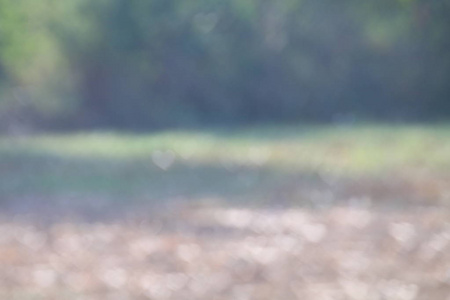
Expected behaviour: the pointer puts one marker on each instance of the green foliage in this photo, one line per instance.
(150, 64)
(254, 160)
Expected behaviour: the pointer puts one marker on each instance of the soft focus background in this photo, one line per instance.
(237, 149)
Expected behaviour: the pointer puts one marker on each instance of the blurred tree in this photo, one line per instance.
(149, 64)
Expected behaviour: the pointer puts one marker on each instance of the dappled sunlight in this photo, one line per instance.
(338, 151)
(217, 150)
(232, 252)
(226, 215)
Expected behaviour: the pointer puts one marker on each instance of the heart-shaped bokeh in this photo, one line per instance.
(163, 159)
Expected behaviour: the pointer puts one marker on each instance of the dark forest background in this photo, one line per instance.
(139, 65)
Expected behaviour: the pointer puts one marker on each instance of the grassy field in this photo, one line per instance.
(192, 164)
(304, 212)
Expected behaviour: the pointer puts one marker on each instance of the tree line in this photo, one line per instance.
(135, 64)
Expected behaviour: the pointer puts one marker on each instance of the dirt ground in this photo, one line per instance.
(370, 239)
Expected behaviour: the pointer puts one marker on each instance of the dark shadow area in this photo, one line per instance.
(51, 187)
(141, 66)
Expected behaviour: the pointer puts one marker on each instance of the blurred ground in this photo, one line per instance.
(264, 213)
